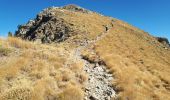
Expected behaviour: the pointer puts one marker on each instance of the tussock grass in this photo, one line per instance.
(40, 68)
(71, 93)
(137, 71)
(90, 25)
(18, 94)
(18, 43)
(4, 51)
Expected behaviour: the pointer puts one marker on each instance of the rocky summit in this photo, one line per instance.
(71, 53)
(48, 26)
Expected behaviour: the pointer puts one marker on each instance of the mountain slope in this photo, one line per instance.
(58, 24)
(84, 55)
(139, 63)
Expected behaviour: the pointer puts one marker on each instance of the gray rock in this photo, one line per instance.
(46, 26)
(164, 41)
(99, 83)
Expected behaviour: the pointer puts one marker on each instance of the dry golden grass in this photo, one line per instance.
(4, 51)
(88, 25)
(139, 63)
(41, 69)
(71, 93)
(18, 43)
(18, 94)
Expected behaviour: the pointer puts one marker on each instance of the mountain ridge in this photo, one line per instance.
(70, 53)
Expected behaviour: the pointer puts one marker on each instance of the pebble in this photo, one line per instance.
(99, 85)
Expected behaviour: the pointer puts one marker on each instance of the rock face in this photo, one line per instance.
(46, 28)
(163, 41)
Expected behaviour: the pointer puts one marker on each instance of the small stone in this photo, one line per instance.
(98, 87)
(92, 98)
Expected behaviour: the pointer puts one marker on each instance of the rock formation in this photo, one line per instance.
(46, 28)
(164, 41)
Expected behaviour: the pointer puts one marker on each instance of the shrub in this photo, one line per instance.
(10, 34)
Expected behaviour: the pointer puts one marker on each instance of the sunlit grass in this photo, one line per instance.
(38, 66)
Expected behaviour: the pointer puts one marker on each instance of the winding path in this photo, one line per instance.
(98, 86)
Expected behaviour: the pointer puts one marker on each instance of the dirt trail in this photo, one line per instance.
(98, 86)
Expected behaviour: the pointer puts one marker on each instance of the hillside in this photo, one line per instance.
(71, 53)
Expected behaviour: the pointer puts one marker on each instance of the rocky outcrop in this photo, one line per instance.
(46, 27)
(57, 24)
(163, 40)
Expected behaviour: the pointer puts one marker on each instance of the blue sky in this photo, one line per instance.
(152, 16)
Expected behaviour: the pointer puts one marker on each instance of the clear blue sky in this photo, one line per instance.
(152, 16)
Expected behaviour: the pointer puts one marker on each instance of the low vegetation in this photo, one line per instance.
(71, 93)
(40, 70)
(138, 62)
(18, 43)
(4, 51)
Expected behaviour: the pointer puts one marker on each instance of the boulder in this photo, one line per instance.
(163, 40)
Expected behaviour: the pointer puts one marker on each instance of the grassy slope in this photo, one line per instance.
(34, 71)
(37, 72)
(139, 63)
(87, 25)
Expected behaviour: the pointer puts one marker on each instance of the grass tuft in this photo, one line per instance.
(18, 43)
(4, 51)
(71, 93)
